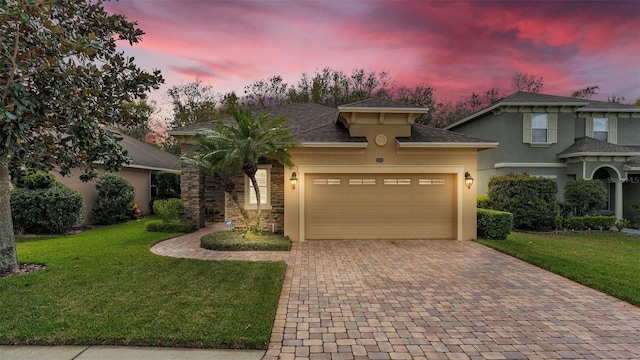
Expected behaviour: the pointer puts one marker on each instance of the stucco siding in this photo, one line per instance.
(629, 131)
(137, 177)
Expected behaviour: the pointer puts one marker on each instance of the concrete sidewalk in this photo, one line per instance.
(122, 353)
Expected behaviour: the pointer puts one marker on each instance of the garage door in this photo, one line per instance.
(374, 206)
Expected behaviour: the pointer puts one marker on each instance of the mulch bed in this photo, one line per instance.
(23, 269)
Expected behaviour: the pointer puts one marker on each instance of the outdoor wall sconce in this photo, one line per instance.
(294, 180)
(468, 180)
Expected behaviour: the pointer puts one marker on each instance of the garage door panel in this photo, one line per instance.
(365, 214)
(389, 206)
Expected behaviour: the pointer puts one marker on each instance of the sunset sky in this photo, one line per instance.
(454, 46)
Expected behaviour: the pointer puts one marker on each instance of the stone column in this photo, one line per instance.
(192, 188)
(618, 199)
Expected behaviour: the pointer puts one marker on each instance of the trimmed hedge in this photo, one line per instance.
(239, 241)
(493, 224)
(171, 227)
(483, 202)
(591, 222)
(531, 200)
(45, 206)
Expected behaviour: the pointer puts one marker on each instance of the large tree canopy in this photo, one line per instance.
(62, 84)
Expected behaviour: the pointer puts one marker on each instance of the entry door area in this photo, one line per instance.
(380, 206)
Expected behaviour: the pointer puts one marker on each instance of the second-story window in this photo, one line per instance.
(539, 128)
(601, 129)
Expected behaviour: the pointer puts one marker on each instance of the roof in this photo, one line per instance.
(586, 146)
(522, 98)
(146, 156)
(422, 134)
(382, 104)
(315, 124)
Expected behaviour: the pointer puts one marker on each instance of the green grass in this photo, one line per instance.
(608, 262)
(237, 241)
(104, 287)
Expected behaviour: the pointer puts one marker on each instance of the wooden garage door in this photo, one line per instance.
(374, 206)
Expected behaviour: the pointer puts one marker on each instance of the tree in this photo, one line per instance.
(264, 94)
(586, 93)
(585, 196)
(62, 83)
(140, 113)
(527, 82)
(193, 103)
(230, 150)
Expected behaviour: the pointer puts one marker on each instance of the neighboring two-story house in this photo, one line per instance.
(562, 138)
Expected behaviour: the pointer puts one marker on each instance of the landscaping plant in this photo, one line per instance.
(43, 205)
(169, 212)
(585, 197)
(115, 202)
(531, 200)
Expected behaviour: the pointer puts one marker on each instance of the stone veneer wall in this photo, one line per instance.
(214, 199)
(192, 191)
(273, 219)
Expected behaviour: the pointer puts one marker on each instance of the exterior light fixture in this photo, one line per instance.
(468, 180)
(294, 180)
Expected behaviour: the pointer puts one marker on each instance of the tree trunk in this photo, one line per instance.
(8, 253)
(256, 188)
(230, 189)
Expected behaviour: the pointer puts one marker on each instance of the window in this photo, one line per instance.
(601, 129)
(263, 176)
(539, 128)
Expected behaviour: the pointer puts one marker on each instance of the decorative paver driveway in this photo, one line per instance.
(432, 299)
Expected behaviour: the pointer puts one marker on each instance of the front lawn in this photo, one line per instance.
(104, 287)
(608, 262)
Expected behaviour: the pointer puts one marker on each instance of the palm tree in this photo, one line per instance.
(229, 150)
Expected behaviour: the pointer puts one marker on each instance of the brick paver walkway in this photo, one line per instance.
(431, 300)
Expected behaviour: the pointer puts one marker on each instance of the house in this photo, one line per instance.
(147, 161)
(562, 138)
(364, 170)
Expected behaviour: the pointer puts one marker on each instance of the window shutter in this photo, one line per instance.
(553, 129)
(613, 130)
(526, 128)
(588, 127)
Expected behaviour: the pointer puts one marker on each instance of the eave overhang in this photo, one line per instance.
(477, 145)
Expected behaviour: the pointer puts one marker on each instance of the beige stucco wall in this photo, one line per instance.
(395, 159)
(139, 178)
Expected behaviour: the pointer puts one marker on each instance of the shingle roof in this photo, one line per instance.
(380, 103)
(425, 134)
(147, 156)
(521, 98)
(314, 123)
(528, 97)
(587, 145)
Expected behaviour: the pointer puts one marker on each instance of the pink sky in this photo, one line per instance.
(454, 46)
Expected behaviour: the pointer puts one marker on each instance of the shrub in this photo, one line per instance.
(33, 181)
(493, 224)
(621, 224)
(168, 210)
(45, 206)
(115, 200)
(483, 202)
(239, 241)
(590, 222)
(531, 200)
(585, 197)
(170, 227)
